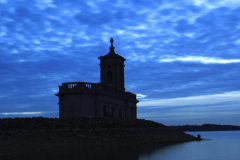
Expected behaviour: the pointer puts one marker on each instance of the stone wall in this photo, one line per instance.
(80, 99)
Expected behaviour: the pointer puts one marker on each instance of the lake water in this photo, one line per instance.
(225, 145)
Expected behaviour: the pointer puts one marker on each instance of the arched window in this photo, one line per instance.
(109, 77)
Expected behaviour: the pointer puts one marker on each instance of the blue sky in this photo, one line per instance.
(183, 56)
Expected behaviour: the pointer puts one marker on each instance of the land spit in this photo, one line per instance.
(28, 134)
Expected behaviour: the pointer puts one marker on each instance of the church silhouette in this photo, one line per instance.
(105, 99)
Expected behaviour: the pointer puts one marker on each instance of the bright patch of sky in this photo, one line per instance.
(217, 3)
(206, 60)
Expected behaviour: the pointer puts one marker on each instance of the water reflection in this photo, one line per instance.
(224, 145)
(89, 152)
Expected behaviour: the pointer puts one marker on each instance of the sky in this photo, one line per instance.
(182, 56)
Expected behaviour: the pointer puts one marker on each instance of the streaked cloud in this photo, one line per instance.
(198, 100)
(19, 113)
(196, 59)
(140, 96)
(221, 108)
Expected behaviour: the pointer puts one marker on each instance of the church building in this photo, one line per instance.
(105, 99)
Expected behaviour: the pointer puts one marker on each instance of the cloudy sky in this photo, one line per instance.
(183, 56)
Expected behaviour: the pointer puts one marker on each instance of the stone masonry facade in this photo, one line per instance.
(105, 99)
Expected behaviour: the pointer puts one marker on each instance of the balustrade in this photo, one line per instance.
(94, 87)
(77, 86)
(72, 85)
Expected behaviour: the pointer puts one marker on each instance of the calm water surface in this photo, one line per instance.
(225, 145)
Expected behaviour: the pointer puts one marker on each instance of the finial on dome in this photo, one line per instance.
(111, 48)
(111, 40)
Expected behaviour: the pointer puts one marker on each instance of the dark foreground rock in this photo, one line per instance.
(22, 134)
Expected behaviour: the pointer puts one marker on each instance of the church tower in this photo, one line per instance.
(112, 69)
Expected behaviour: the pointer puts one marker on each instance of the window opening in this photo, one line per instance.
(120, 113)
(112, 112)
(109, 77)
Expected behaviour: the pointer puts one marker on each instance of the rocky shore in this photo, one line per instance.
(24, 134)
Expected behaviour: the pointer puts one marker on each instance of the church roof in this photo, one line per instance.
(111, 54)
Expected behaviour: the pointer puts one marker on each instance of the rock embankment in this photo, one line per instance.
(38, 133)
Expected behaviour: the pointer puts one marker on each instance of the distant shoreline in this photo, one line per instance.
(206, 127)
